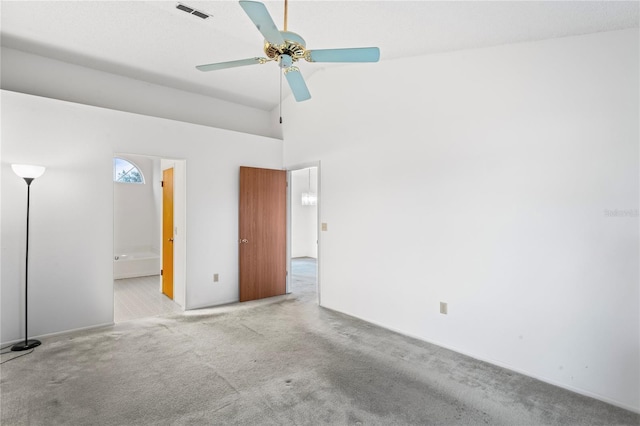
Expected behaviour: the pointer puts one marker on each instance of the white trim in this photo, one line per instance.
(288, 236)
(232, 305)
(58, 333)
(209, 306)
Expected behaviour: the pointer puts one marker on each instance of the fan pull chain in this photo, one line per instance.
(280, 97)
(286, 13)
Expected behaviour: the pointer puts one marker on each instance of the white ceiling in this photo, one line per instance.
(155, 42)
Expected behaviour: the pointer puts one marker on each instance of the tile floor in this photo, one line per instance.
(303, 278)
(141, 297)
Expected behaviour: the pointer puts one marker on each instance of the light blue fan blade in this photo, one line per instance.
(260, 16)
(297, 84)
(230, 64)
(357, 54)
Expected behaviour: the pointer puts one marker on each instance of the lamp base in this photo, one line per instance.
(23, 346)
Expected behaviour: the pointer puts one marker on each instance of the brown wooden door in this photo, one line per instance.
(263, 223)
(167, 232)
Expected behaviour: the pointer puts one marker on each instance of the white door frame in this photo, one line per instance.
(289, 232)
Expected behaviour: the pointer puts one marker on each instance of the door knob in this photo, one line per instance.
(171, 240)
(244, 241)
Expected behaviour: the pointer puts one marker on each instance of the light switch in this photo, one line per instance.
(324, 227)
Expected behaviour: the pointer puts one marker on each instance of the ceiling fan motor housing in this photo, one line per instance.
(294, 46)
(285, 61)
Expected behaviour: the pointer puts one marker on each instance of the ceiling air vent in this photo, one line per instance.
(192, 11)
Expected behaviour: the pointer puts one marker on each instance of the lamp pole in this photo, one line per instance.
(28, 173)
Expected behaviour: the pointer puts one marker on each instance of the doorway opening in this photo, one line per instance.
(303, 226)
(139, 258)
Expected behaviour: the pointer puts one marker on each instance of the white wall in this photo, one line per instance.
(71, 249)
(304, 219)
(135, 216)
(37, 75)
(482, 179)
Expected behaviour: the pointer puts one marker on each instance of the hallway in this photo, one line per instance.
(304, 278)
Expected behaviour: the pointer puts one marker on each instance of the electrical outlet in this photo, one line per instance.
(216, 278)
(443, 308)
(324, 227)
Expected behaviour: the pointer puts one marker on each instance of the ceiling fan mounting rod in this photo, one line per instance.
(286, 12)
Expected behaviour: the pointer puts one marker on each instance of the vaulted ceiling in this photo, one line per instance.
(156, 42)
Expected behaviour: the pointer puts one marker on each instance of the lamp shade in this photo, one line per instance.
(27, 170)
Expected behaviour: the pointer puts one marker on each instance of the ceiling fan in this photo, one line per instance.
(286, 48)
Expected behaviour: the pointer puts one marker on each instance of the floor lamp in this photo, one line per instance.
(28, 173)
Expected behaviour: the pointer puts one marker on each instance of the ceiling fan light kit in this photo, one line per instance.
(286, 48)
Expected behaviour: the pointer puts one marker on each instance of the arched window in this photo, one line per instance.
(126, 172)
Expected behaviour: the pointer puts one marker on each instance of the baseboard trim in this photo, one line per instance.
(59, 333)
(208, 305)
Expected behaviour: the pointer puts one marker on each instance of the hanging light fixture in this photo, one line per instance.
(309, 198)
